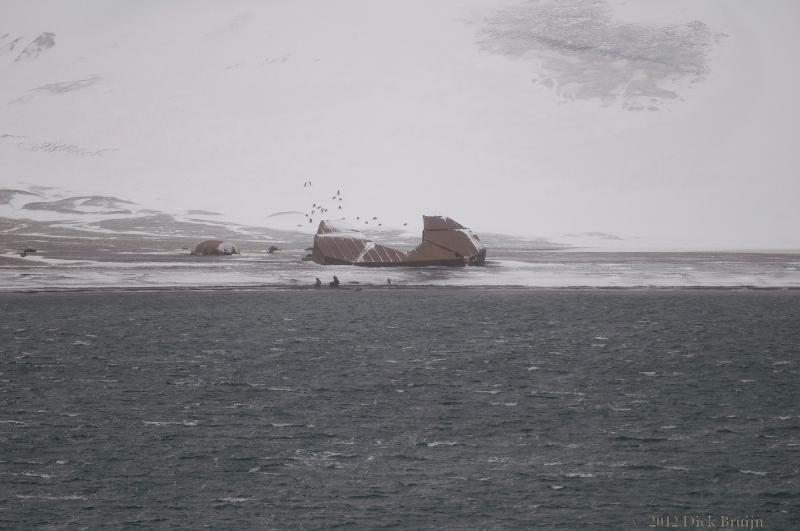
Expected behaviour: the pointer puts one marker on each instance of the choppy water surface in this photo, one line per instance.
(418, 408)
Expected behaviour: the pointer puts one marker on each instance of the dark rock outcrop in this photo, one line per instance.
(41, 43)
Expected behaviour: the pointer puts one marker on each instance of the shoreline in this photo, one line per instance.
(375, 287)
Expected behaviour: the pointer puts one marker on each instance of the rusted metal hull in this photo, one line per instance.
(444, 243)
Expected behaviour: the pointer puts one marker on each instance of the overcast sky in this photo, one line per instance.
(674, 122)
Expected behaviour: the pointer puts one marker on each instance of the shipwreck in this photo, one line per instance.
(444, 243)
(216, 248)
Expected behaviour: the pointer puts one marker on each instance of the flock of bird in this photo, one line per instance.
(317, 209)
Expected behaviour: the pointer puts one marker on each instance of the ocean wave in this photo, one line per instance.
(434, 444)
(68, 497)
(190, 423)
(36, 475)
(235, 499)
(583, 475)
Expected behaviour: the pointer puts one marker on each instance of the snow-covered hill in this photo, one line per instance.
(56, 214)
(670, 122)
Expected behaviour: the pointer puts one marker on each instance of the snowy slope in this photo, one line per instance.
(55, 212)
(520, 117)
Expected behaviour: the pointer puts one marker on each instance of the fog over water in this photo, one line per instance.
(669, 124)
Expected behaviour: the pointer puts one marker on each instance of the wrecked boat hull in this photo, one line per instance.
(444, 243)
(476, 260)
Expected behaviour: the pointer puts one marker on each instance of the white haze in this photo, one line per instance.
(470, 108)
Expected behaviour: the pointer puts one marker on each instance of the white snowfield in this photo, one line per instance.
(666, 121)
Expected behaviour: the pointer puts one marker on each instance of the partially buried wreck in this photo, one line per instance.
(444, 242)
(216, 248)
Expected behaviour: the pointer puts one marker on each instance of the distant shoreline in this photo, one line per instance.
(374, 287)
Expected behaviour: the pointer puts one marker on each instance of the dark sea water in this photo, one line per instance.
(410, 408)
